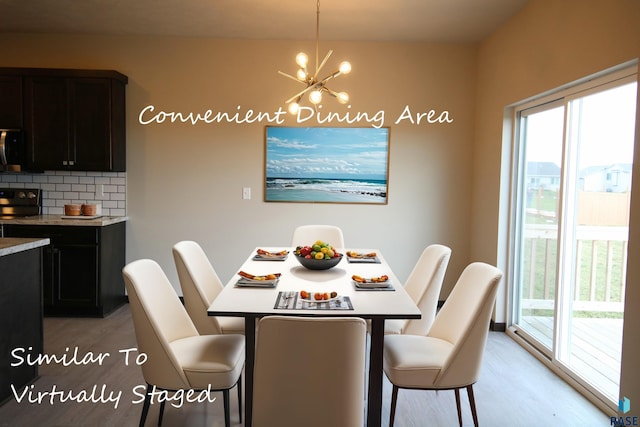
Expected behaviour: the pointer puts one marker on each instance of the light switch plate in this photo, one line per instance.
(246, 193)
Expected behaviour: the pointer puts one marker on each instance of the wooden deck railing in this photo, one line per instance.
(604, 269)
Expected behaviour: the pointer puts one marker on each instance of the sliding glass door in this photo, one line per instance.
(572, 175)
(542, 136)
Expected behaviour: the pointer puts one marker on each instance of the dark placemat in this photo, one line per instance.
(287, 300)
(256, 283)
(268, 258)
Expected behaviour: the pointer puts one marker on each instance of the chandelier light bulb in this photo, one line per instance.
(343, 97)
(315, 96)
(302, 74)
(345, 67)
(302, 59)
(294, 107)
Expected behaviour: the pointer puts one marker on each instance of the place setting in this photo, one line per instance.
(354, 257)
(264, 255)
(303, 300)
(378, 283)
(258, 281)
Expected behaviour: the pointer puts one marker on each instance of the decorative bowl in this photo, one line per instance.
(89, 209)
(318, 264)
(72, 210)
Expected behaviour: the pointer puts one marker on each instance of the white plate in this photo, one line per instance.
(249, 280)
(311, 299)
(362, 256)
(275, 254)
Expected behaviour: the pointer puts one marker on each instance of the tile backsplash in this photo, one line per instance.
(59, 188)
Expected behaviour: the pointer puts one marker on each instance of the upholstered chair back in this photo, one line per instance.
(307, 234)
(309, 372)
(200, 285)
(159, 319)
(464, 320)
(424, 285)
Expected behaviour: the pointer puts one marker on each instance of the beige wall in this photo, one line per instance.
(185, 181)
(548, 44)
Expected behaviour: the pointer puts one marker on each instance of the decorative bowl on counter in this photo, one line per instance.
(72, 210)
(89, 209)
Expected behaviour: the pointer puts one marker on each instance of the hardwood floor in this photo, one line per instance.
(514, 389)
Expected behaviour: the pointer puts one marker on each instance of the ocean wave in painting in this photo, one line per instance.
(326, 190)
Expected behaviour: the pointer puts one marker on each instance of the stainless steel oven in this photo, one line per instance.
(19, 202)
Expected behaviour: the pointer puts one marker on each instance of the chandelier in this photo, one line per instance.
(315, 87)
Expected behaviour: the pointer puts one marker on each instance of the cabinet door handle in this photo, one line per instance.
(71, 163)
(64, 163)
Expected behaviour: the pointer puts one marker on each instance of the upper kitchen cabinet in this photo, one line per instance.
(76, 122)
(11, 107)
(73, 119)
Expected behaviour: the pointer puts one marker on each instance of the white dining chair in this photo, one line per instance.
(309, 372)
(423, 286)
(178, 357)
(200, 285)
(449, 357)
(308, 234)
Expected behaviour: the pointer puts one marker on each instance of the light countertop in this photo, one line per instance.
(60, 220)
(12, 245)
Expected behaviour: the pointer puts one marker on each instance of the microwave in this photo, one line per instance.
(13, 153)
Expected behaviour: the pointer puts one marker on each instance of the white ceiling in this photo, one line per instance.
(367, 20)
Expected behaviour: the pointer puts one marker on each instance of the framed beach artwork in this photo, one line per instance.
(326, 165)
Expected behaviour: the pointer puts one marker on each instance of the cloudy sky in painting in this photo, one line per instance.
(336, 153)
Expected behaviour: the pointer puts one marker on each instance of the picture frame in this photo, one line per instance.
(327, 165)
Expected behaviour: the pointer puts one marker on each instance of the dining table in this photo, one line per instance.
(250, 299)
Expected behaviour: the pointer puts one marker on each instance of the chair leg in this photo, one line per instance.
(472, 402)
(161, 413)
(145, 406)
(239, 385)
(225, 400)
(394, 400)
(458, 406)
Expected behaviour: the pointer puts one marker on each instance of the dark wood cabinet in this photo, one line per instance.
(75, 123)
(92, 136)
(71, 266)
(20, 317)
(47, 121)
(11, 106)
(82, 267)
(73, 119)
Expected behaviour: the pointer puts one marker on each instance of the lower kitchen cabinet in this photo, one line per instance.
(82, 267)
(20, 318)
